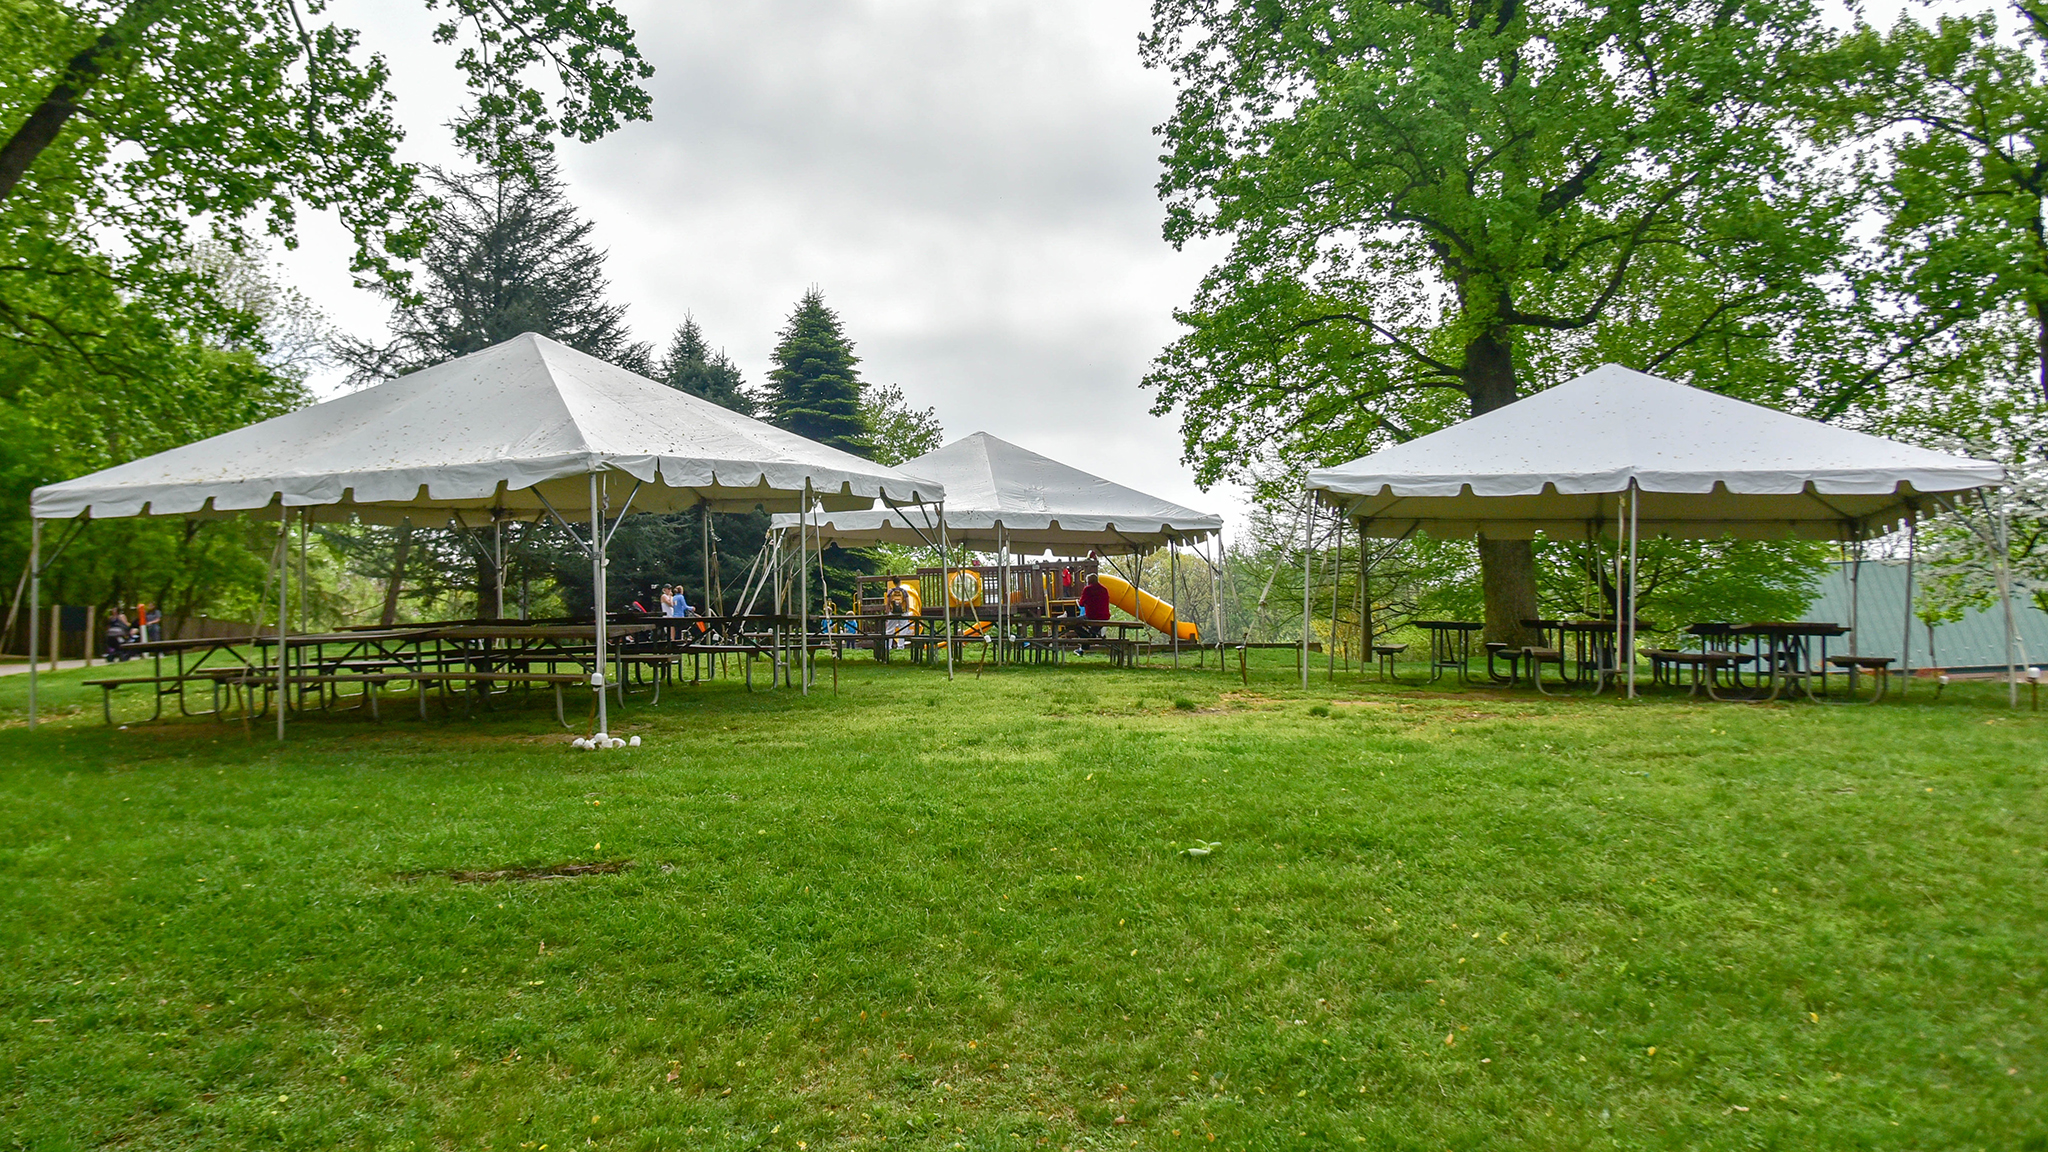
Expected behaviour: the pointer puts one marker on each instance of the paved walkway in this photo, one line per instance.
(62, 666)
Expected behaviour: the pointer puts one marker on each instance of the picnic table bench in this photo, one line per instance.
(254, 679)
(266, 679)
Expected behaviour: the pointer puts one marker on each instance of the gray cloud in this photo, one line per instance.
(969, 183)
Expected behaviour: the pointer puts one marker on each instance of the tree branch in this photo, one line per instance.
(44, 124)
(1385, 333)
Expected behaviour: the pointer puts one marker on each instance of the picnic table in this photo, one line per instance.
(1785, 654)
(317, 665)
(1592, 647)
(1062, 630)
(1793, 653)
(1450, 647)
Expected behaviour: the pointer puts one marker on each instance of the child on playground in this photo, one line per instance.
(896, 605)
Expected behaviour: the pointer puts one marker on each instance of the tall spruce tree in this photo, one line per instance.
(510, 255)
(689, 365)
(816, 391)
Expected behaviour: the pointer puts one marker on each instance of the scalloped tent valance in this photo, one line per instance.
(491, 433)
(999, 493)
(1704, 466)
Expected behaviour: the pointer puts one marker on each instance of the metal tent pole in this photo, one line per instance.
(803, 560)
(597, 602)
(1216, 590)
(1138, 591)
(1855, 590)
(1364, 604)
(1173, 609)
(284, 619)
(2012, 682)
(1308, 549)
(305, 609)
(1906, 644)
(1336, 589)
(35, 595)
(1613, 671)
(1635, 499)
(1003, 605)
(775, 602)
(946, 588)
(704, 511)
(1635, 540)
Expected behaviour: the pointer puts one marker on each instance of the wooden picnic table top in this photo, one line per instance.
(149, 647)
(309, 639)
(532, 631)
(1085, 622)
(1789, 628)
(1585, 625)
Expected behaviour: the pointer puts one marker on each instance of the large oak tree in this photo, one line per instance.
(1433, 208)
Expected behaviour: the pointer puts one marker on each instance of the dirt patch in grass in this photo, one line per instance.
(1244, 701)
(550, 872)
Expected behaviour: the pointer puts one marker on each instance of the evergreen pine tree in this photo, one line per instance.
(691, 366)
(816, 391)
(510, 255)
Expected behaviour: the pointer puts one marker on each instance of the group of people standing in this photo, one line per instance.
(122, 632)
(674, 603)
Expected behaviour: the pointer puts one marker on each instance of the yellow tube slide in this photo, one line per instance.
(1145, 606)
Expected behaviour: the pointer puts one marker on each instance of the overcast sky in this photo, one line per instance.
(970, 183)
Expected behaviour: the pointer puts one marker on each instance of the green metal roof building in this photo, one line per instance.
(1974, 643)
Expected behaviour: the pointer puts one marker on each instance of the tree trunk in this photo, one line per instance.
(2040, 310)
(1507, 568)
(1366, 634)
(48, 118)
(486, 589)
(397, 579)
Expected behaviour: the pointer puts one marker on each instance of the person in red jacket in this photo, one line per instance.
(1094, 603)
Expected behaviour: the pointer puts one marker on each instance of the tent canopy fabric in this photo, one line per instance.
(477, 436)
(997, 492)
(1704, 466)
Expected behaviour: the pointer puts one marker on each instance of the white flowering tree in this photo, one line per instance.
(1961, 546)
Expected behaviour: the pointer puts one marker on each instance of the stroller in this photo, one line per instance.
(119, 633)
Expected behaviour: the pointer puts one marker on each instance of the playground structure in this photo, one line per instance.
(1014, 506)
(1037, 590)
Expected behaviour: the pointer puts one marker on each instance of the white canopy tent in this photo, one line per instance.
(1000, 495)
(1002, 499)
(1619, 452)
(526, 429)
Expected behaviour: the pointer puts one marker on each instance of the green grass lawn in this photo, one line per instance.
(928, 915)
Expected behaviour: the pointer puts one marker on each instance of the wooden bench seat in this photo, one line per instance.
(266, 680)
(1880, 668)
(1385, 654)
(1704, 665)
(1537, 657)
(109, 685)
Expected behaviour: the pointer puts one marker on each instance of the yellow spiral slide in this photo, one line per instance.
(1147, 607)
